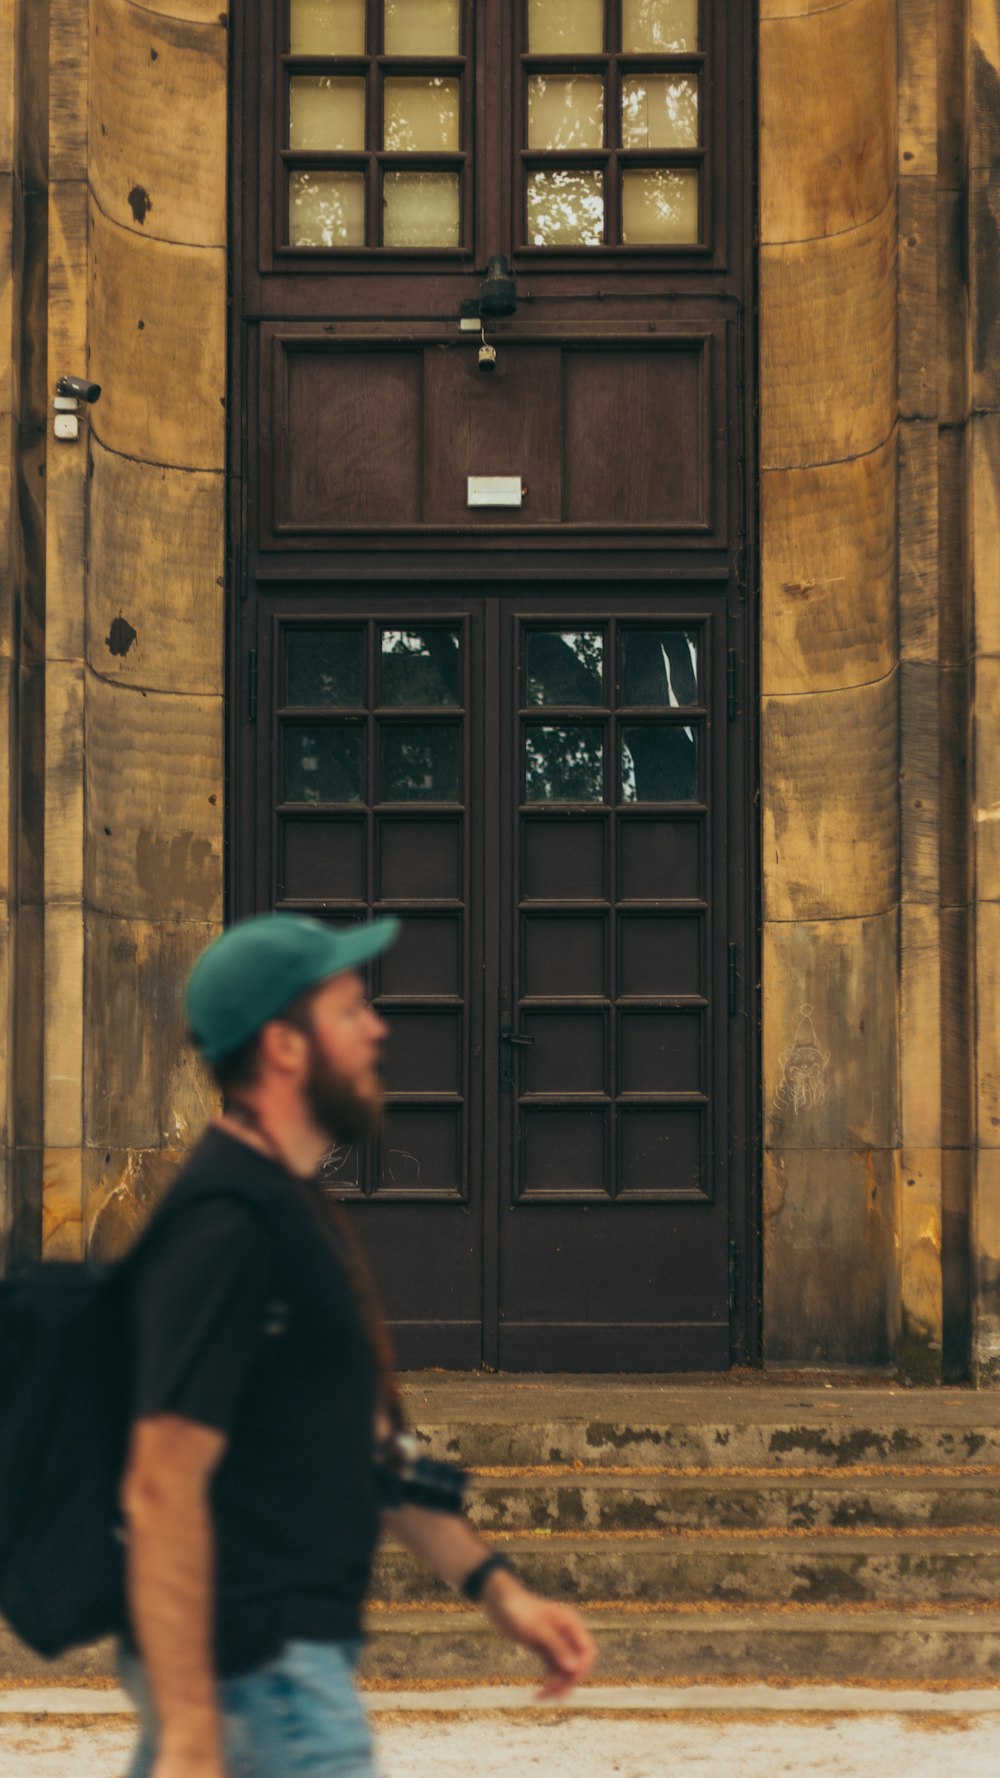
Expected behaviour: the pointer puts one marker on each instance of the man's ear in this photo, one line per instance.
(282, 1046)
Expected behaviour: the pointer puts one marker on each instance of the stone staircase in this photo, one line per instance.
(765, 1532)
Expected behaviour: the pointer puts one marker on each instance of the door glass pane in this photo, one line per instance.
(565, 667)
(660, 111)
(652, 26)
(324, 667)
(420, 667)
(328, 28)
(421, 115)
(323, 765)
(659, 763)
(566, 27)
(566, 208)
(659, 205)
(420, 210)
(326, 209)
(660, 667)
(565, 111)
(422, 28)
(564, 765)
(419, 762)
(325, 113)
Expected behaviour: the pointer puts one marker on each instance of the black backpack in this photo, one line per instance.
(65, 1396)
(64, 1388)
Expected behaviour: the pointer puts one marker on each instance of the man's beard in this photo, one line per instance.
(337, 1107)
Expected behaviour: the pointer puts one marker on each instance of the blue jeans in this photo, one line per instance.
(298, 1716)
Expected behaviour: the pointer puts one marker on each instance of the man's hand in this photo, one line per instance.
(556, 1632)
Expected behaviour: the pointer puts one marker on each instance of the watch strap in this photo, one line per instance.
(473, 1584)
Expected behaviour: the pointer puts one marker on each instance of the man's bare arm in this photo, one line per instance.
(448, 1544)
(165, 1497)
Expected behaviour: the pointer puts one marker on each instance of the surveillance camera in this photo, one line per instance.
(487, 359)
(78, 389)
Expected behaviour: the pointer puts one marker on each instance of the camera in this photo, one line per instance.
(406, 1478)
(78, 389)
(487, 358)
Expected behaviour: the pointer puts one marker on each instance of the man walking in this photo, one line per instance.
(261, 1373)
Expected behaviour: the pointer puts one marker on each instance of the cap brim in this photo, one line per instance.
(360, 945)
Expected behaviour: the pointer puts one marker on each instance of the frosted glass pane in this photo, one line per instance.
(659, 206)
(565, 111)
(660, 111)
(326, 209)
(421, 210)
(651, 26)
(326, 113)
(421, 115)
(566, 208)
(328, 28)
(565, 27)
(422, 28)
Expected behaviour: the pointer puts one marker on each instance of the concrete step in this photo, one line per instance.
(888, 1569)
(644, 1499)
(523, 1422)
(701, 1644)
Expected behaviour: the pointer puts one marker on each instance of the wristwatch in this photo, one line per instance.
(473, 1584)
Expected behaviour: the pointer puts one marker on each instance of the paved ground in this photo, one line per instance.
(761, 1734)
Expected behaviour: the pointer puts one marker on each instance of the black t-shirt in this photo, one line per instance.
(242, 1319)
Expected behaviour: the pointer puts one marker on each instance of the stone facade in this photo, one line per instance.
(880, 645)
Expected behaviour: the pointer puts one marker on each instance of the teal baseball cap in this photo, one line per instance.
(259, 966)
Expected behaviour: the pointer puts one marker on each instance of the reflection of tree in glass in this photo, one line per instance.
(666, 195)
(565, 667)
(420, 667)
(326, 209)
(564, 765)
(565, 111)
(678, 99)
(421, 114)
(659, 764)
(566, 206)
(660, 667)
(659, 25)
(419, 764)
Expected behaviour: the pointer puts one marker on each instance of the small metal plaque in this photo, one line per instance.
(494, 490)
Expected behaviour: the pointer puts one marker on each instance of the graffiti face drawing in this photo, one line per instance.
(803, 1070)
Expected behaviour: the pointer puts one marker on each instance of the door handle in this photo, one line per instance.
(507, 1060)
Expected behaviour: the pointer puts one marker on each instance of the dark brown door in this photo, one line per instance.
(518, 714)
(537, 785)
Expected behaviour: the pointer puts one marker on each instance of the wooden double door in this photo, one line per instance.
(540, 785)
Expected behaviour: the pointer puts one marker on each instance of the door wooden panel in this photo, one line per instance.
(611, 433)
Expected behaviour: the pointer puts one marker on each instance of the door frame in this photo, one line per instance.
(561, 571)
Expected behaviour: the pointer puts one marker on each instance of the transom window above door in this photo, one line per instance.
(377, 127)
(610, 132)
(390, 123)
